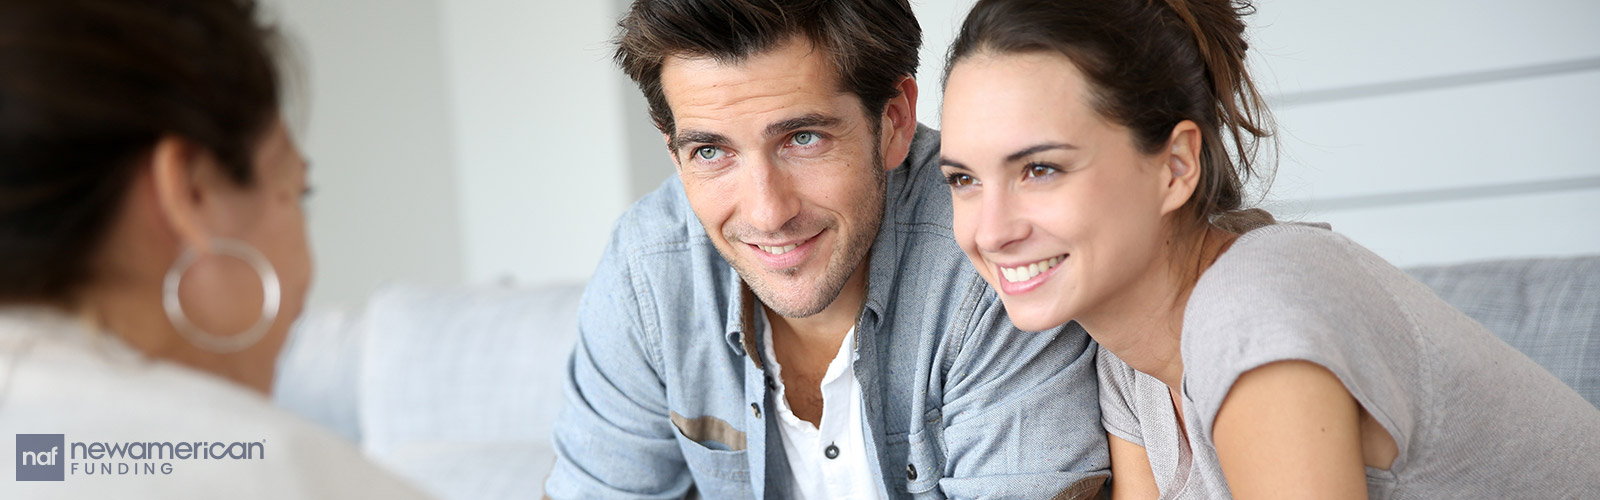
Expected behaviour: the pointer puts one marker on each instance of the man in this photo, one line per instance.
(791, 317)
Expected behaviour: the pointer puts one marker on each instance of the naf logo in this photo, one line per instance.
(39, 457)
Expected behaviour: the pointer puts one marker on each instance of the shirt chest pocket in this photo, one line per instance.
(715, 453)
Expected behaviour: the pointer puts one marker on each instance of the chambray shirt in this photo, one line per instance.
(667, 392)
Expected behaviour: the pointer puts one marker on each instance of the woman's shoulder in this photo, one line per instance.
(1285, 267)
(1298, 292)
(96, 391)
(1287, 251)
(1288, 279)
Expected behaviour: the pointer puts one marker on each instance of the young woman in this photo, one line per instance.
(152, 258)
(1084, 144)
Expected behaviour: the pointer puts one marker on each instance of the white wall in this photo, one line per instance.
(468, 141)
(541, 151)
(941, 22)
(1437, 131)
(372, 78)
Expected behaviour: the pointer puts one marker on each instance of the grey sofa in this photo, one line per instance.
(457, 389)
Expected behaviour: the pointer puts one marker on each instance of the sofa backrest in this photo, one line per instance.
(1547, 308)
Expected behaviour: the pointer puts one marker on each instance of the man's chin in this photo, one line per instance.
(784, 295)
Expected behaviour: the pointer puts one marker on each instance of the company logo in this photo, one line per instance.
(48, 457)
(39, 457)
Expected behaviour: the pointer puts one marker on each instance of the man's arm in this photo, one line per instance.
(614, 438)
(1022, 413)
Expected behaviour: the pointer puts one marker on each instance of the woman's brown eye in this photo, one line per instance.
(1038, 170)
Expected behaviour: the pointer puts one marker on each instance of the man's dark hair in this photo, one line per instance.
(872, 44)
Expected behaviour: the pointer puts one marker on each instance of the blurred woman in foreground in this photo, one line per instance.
(152, 257)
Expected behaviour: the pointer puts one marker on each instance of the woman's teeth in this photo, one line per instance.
(1025, 273)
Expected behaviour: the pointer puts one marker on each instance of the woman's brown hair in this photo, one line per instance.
(89, 86)
(1151, 64)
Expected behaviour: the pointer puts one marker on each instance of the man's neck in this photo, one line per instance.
(805, 346)
(820, 334)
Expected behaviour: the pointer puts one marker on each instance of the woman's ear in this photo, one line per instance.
(174, 166)
(899, 123)
(1182, 158)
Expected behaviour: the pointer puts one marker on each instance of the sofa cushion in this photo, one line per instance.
(318, 370)
(464, 365)
(475, 471)
(1547, 308)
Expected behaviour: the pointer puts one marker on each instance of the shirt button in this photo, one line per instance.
(911, 472)
(832, 452)
(771, 384)
(755, 410)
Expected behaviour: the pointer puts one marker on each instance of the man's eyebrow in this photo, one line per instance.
(1024, 152)
(810, 120)
(691, 136)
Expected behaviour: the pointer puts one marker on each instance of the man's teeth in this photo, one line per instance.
(1025, 273)
(777, 250)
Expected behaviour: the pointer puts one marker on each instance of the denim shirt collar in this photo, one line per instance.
(884, 261)
(742, 326)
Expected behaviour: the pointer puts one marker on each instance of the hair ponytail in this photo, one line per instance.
(1218, 30)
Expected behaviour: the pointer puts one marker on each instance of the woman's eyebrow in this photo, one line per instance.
(1024, 152)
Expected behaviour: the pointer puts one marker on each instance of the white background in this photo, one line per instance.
(493, 141)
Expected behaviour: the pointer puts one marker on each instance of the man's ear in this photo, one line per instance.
(174, 165)
(1182, 162)
(899, 123)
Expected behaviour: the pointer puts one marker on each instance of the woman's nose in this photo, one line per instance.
(999, 224)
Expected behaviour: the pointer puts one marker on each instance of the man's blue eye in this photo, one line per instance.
(805, 138)
(707, 152)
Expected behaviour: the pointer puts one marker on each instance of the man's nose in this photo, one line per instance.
(770, 198)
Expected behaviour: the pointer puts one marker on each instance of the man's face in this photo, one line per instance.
(782, 168)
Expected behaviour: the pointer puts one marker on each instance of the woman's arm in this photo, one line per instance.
(1290, 430)
(1131, 477)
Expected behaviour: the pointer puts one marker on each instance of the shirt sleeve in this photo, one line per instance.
(1304, 295)
(1021, 412)
(1117, 413)
(614, 438)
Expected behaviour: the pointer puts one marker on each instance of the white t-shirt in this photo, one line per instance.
(828, 462)
(129, 426)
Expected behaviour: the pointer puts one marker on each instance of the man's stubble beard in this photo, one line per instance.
(852, 255)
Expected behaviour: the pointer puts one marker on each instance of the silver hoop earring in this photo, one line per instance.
(271, 295)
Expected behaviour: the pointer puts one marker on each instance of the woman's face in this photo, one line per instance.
(223, 294)
(281, 232)
(1055, 206)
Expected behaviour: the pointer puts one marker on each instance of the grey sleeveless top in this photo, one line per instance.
(1472, 416)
